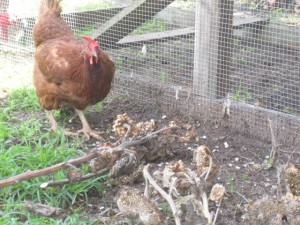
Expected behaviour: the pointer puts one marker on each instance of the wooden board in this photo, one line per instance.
(147, 38)
(128, 20)
(185, 32)
(250, 22)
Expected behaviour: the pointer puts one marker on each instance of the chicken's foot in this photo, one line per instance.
(52, 120)
(88, 132)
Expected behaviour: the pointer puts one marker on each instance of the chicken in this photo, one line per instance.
(68, 71)
(5, 22)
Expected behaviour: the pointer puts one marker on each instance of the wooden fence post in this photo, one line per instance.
(213, 47)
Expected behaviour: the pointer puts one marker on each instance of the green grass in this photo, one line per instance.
(231, 185)
(153, 25)
(85, 31)
(98, 5)
(25, 146)
(240, 94)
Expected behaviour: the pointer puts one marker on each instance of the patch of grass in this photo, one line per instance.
(250, 49)
(119, 63)
(153, 25)
(288, 110)
(24, 147)
(85, 31)
(242, 61)
(165, 208)
(275, 14)
(163, 77)
(231, 185)
(240, 94)
(245, 176)
(183, 4)
(94, 6)
(236, 41)
(23, 99)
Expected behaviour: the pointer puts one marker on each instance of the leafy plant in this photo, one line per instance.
(236, 41)
(245, 176)
(231, 185)
(163, 76)
(240, 94)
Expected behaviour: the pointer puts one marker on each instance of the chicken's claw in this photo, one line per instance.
(91, 133)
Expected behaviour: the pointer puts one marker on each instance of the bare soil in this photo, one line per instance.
(241, 170)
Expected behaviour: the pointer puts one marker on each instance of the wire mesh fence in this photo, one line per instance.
(188, 55)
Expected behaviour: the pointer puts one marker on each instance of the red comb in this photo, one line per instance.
(90, 40)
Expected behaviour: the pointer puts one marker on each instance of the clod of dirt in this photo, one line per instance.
(74, 174)
(269, 211)
(292, 179)
(44, 210)
(131, 203)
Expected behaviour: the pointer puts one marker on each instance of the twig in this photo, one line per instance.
(217, 212)
(172, 188)
(205, 207)
(274, 152)
(67, 181)
(128, 144)
(242, 196)
(209, 169)
(288, 152)
(163, 194)
(127, 132)
(289, 159)
(78, 161)
(147, 191)
(48, 170)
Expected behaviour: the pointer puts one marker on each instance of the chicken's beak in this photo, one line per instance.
(94, 52)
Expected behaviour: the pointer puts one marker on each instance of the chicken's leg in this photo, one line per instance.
(52, 120)
(86, 127)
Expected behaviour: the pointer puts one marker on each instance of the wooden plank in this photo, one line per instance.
(179, 33)
(250, 22)
(127, 20)
(148, 38)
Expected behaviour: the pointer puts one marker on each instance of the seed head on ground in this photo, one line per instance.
(131, 203)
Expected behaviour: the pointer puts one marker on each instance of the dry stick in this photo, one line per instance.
(78, 161)
(217, 212)
(274, 152)
(67, 181)
(209, 168)
(163, 194)
(288, 152)
(41, 172)
(275, 161)
(144, 139)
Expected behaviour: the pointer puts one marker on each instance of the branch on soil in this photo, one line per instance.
(78, 161)
(163, 194)
(67, 181)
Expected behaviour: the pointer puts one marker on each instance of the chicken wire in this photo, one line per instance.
(189, 56)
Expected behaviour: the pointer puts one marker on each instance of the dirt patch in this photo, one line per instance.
(240, 159)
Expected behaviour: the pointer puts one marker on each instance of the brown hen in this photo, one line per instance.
(68, 71)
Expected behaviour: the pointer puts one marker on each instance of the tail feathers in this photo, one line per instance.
(50, 6)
